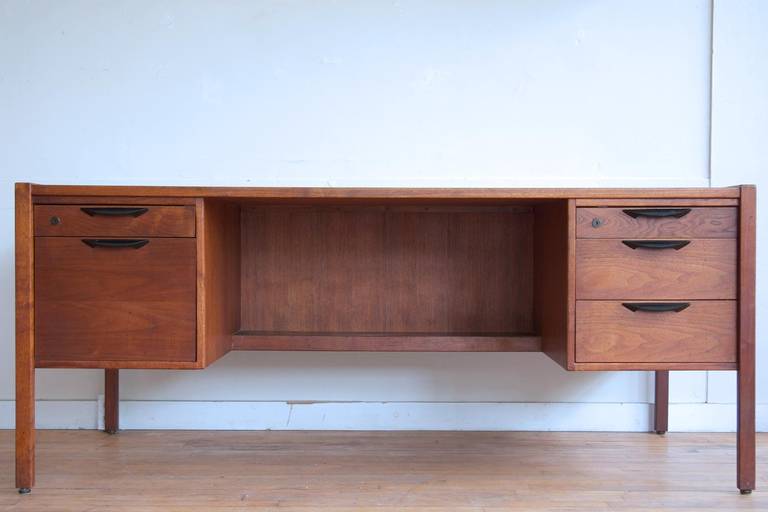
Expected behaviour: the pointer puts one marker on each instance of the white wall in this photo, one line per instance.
(427, 93)
(739, 150)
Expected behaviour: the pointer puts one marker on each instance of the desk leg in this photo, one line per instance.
(745, 402)
(25, 423)
(745, 447)
(111, 401)
(25, 341)
(661, 403)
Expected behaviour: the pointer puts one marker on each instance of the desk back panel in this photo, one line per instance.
(387, 269)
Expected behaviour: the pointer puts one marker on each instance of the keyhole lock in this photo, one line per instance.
(55, 221)
(597, 222)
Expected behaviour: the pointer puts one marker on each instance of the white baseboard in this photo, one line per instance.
(191, 415)
(63, 414)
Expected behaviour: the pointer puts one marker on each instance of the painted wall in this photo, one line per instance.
(321, 93)
(739, 153)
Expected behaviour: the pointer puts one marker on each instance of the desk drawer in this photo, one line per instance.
(640, 270)
(674, 222)
(114, 220)
(610, 332)
(95, 302)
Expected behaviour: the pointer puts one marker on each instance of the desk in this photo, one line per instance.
(176, 277)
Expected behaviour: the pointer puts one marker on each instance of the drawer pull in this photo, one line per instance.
(656, 307)
(114, 211)
(658, 213)
(115, 244)
(656, 244)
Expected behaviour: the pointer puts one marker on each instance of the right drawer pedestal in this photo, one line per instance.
(656, 285)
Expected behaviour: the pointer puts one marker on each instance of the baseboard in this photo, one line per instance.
(60, 414)
(191, 415)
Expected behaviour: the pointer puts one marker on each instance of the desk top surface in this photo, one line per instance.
(385, 193)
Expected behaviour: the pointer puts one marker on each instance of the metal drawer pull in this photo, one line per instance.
(656, 307)
(658, 213)
(115, 244)
(114, 211)
(656, 244)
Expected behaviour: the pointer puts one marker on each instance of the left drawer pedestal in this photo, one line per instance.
(109, 292)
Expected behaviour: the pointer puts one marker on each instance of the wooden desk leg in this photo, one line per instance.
(745, 449)
(25, 423)
(111, 401)
(661, 403)
(745, 403)
(25, 341)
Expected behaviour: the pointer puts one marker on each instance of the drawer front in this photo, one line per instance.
(610, 269)
(673, 222)
(609, 332)
(115, 304)
(114, 220)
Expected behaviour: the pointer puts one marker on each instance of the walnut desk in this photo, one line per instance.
(175, 277)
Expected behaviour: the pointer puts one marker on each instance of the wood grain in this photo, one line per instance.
(115, 304)
(386, 270)
(119, 364)
(656, 203)
(436, 194)
(661, 402)
(614, 223)
(705, 332)
(111, 401)
(25, 338)
(746, 341)
(116, 200)
(608, 269)
(465, 271)
(203, 471)
(571, 289)
(218, 279)
(158, 221)
(370, 342)
(688, 366)
(551, 272)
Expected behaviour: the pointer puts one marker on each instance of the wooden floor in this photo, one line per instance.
(425, 471)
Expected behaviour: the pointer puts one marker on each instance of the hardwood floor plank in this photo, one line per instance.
(345, 471)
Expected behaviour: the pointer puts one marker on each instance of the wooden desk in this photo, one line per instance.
(176, 277)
